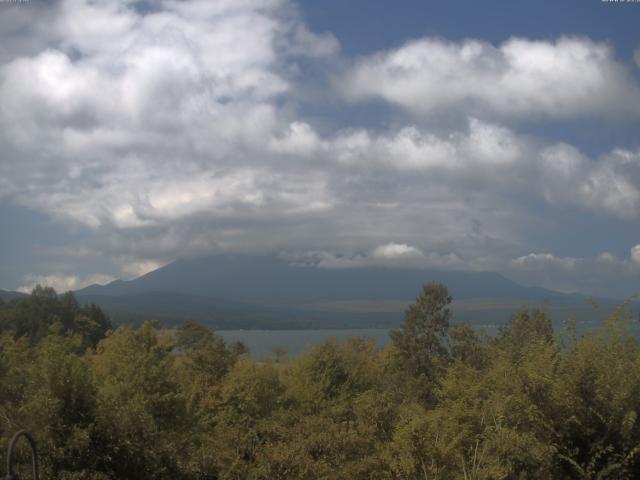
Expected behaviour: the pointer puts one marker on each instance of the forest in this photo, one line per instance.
(440, 401)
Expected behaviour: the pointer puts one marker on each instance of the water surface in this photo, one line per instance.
(262, 342)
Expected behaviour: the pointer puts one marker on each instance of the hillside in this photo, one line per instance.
(8, 295)
(269, 280)
(242, 291)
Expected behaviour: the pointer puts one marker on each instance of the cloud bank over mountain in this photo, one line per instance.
(183, 128)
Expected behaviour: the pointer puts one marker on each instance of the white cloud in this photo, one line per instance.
(542, 261)
(518, 79)
(392, 251)
(63, 283)
(139, 119)
(180, 131)
(484, 147)
(610, 184)
(490, 155)
(299, 140)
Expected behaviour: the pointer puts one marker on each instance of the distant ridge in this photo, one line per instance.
(270, 280)
(250, 291)
(171, 308)
(9, 295)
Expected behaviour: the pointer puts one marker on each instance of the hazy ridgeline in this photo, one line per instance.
(438, 402)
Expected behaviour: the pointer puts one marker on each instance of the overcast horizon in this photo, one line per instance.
(472, 136)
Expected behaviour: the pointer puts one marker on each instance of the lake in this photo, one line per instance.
(262, 342)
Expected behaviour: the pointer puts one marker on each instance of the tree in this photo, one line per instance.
(60, 408)
(44, 312)
(206, 353)
(140, 409)
(467, 346)
(420, 345)
(525, 326)
(250, 398)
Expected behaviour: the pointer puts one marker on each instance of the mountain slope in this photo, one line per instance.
(7, 295)
(242, 291)
(268, 280)
(174, 308)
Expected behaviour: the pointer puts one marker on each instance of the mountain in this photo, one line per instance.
(173, 308)
(245, 291)
(270, 280)
(8, 295)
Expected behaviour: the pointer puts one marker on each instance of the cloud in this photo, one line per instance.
(136, 130)
(484, 145)
(183, 129)
(520, 79)
(493, 156)
(603, 274)
(138, 268)
(635, 254)
(26, 28)
(145, 118)
(610, 184)
(63, 283)
(392, 255)
(392, 251)
(542, 261)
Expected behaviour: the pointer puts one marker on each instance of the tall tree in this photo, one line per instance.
(420, 344)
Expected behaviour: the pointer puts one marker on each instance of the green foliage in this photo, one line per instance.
(439, 402)
(44, 312)
(138, 403)
(523, 327)
(420, 345)
(467, 346)
(61, 396)
(204, 360)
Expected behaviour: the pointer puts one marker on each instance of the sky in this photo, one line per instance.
(470, 135)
